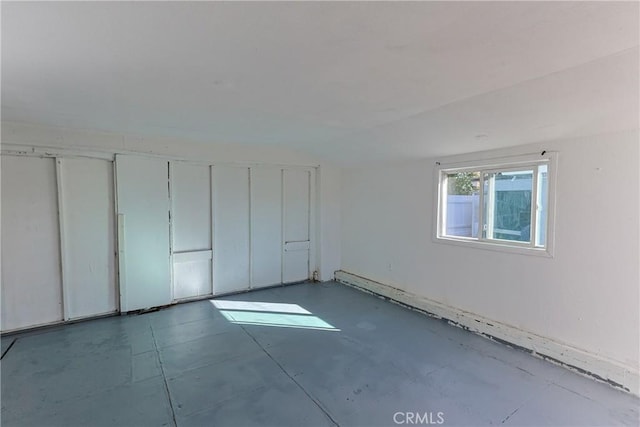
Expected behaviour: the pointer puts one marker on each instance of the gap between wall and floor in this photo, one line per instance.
(577, 360)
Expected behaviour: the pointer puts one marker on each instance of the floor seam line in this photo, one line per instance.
(315, 402)
(207, 336)
(509, 416)
(552, 382)
(523, 404)
(164, 378)
(8, 348)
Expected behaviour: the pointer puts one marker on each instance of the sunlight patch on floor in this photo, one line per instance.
(271, 314)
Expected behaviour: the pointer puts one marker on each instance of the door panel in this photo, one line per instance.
(191, 207)
(191, 226)
(143, 211)
(231, 229)
(191, 274)
(31, 280)
(266, 226)
(87, 199)
(296, 225)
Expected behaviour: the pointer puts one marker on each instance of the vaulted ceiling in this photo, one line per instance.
(351, 82)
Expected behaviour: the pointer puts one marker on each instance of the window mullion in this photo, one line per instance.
(533, 231)
(444, 185)
(481, 207)
(491, 201)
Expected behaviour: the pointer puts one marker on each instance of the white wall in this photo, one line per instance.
(31, 285)
(73, 146)
(86, 203)
(58, 240)
(266, 226)
(329, 230)
(28, 136)
(29, 139)
(191, 230)
(143, 232)
(231, 229)
(586, 296)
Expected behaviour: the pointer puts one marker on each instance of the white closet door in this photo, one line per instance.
(88, 225)
(31, 281)
(231, 229)
(297, 244)
(191, 226)
(143, 232)
(266, 226)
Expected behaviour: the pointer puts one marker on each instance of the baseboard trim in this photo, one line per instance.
(57, 323)
(586, 363)
(61, 323)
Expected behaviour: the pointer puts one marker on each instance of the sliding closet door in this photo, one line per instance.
(297, 225)
(31, 285)
(143, 232)
(191, 227)
(231, 229)
(266, 226)
(88, 236)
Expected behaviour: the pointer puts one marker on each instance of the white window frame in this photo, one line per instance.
(487, 166)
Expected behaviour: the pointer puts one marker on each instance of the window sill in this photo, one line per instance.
(498, 247)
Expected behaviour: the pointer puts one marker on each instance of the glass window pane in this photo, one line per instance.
(462, 204)
(507, 205)
(541, 206)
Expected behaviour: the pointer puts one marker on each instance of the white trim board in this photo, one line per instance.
(80, 151)
(582, 361)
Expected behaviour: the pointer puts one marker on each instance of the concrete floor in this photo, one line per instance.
(364, 362)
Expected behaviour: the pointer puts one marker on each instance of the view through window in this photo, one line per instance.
(506, 205)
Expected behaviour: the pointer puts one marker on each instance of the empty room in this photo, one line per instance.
(320, 213)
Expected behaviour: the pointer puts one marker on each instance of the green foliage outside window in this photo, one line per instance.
(463, 183)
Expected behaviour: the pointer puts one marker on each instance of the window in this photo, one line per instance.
(504, 204)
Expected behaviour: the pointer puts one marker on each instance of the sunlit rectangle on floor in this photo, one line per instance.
(259, 306)
(277, 320)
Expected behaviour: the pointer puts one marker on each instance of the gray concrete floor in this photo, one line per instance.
(189, 365)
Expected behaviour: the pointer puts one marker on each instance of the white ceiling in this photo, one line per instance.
(352, 82)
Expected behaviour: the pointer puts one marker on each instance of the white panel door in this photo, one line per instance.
(143, 232)
(88, 224)
(297, 221)
(230, 229)
(266, 226)
(191, 229)
(31, 280)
